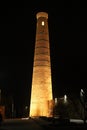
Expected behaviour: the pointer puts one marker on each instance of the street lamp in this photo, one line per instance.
(82, 96)
(26, 111)
(65, 98)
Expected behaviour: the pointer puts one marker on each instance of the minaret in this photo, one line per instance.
(41, 91)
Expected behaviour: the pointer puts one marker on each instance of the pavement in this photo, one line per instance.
(41, 124)
(61, 124)
(20, 124)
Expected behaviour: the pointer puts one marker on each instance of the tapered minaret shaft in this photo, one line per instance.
(41, 91)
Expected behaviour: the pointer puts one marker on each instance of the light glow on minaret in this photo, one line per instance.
(41, 91)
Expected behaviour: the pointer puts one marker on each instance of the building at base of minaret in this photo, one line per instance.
(41, 91)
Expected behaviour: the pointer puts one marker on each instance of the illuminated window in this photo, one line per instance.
(42, 23)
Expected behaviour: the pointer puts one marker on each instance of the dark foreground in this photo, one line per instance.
(40, 124)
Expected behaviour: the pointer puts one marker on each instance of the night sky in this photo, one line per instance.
(68, 39)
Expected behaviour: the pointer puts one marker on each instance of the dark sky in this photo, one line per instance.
(68, 39)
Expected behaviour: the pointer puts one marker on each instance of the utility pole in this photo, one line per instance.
(12, 107)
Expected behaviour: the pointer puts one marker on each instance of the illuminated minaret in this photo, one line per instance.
(41, 91)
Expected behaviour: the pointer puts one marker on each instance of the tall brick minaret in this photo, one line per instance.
(41, 91)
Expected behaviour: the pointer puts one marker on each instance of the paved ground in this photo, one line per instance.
(20, 124)
(62, 125)
(40, 124)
